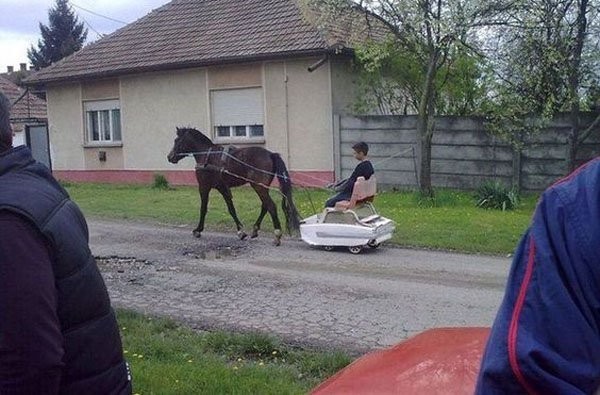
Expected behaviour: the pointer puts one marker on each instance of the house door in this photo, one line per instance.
(39, 143)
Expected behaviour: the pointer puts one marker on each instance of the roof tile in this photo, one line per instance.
(28, 106)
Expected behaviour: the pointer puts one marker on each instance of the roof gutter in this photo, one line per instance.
(32, 81)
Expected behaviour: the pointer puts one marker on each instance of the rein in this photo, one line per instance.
(227, 154)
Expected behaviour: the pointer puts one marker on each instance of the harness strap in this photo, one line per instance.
(207, 157)
(225, 153)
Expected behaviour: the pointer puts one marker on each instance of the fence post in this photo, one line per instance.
(337, 141)
(517, 155)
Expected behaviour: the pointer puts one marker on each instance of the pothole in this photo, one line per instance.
(124, 262)
(211, 250)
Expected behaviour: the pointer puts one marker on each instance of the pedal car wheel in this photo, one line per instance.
(328, 248)
(373, 244)
(355, 249)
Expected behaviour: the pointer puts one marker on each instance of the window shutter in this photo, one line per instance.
(237, 107)
(102, 105)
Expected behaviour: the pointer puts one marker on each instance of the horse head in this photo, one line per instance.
(188, 141)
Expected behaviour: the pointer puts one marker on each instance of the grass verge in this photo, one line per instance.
(450, 221)
(169, 359)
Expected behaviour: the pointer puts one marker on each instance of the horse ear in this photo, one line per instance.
(179, 131)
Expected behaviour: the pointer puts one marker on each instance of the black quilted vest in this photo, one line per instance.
(93, 356)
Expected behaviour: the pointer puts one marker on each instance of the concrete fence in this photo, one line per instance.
(464, 155)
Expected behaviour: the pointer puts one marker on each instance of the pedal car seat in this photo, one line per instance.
(363, 191)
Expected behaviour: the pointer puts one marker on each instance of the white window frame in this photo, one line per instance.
(98, 107)
(248, 123)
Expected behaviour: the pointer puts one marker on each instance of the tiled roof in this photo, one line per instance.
(29, 105)
(193, 32)
(189, 33)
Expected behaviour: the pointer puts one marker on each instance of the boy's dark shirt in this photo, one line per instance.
(363, 169)
(31, 342)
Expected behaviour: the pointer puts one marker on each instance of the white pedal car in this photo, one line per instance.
(354, 224)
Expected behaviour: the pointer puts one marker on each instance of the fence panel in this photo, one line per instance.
(464, 154)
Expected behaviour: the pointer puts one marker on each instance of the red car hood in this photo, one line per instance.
(436, 361)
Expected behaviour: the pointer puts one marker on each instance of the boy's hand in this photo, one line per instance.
(340, 185)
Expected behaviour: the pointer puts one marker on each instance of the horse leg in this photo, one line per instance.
(256, 227)
(269, 204)
(203, 208)
(226, 192)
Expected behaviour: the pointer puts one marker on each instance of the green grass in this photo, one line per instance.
(166, 358)
(450, 222)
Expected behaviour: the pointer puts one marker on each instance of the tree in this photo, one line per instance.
(433, 34)
(576, 75)
(63, 36)
(390, 80)
(545, 62)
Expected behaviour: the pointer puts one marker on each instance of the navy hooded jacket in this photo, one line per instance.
(546, 336)
(92, 361)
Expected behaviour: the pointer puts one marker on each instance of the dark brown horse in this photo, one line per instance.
(222, 168)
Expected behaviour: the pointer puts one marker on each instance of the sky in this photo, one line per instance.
(19, 22)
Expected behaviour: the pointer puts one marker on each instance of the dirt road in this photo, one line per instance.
(298, 293)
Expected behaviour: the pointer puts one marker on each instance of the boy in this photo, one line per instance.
(363, 169)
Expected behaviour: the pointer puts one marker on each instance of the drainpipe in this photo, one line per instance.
(318, 64)
(287, 117)
(20, 97)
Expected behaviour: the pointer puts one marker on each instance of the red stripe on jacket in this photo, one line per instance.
(514, 323)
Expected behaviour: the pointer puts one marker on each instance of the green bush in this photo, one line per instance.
(160, 182)
(495, 195)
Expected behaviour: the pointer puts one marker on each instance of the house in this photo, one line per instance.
(28, 119)
(246, 72)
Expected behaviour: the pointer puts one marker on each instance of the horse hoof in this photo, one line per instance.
(254, 234)
(277, 241)
(197, 234)
(242, 235)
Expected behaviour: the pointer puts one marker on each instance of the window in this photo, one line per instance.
(103, 121)
(238, 114)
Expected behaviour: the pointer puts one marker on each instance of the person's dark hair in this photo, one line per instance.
(361, 147)
(5, 129)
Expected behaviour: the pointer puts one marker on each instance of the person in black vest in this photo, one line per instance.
(58, 332)
(363, 169)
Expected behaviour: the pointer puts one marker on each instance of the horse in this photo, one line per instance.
(225, 167)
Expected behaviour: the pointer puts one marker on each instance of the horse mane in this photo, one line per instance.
(195, 134)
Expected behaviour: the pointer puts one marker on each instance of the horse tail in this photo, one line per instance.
(292, 218)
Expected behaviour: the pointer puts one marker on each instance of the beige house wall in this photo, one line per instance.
(113, 155)
(298, 123)
(276, 125)
(343, 82)
(244, 76)
(100, 90)
(152, 107)
(309, 116)
(65, 124)
(113, 158)
(298, 113)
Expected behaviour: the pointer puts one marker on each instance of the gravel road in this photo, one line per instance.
(301, 294)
